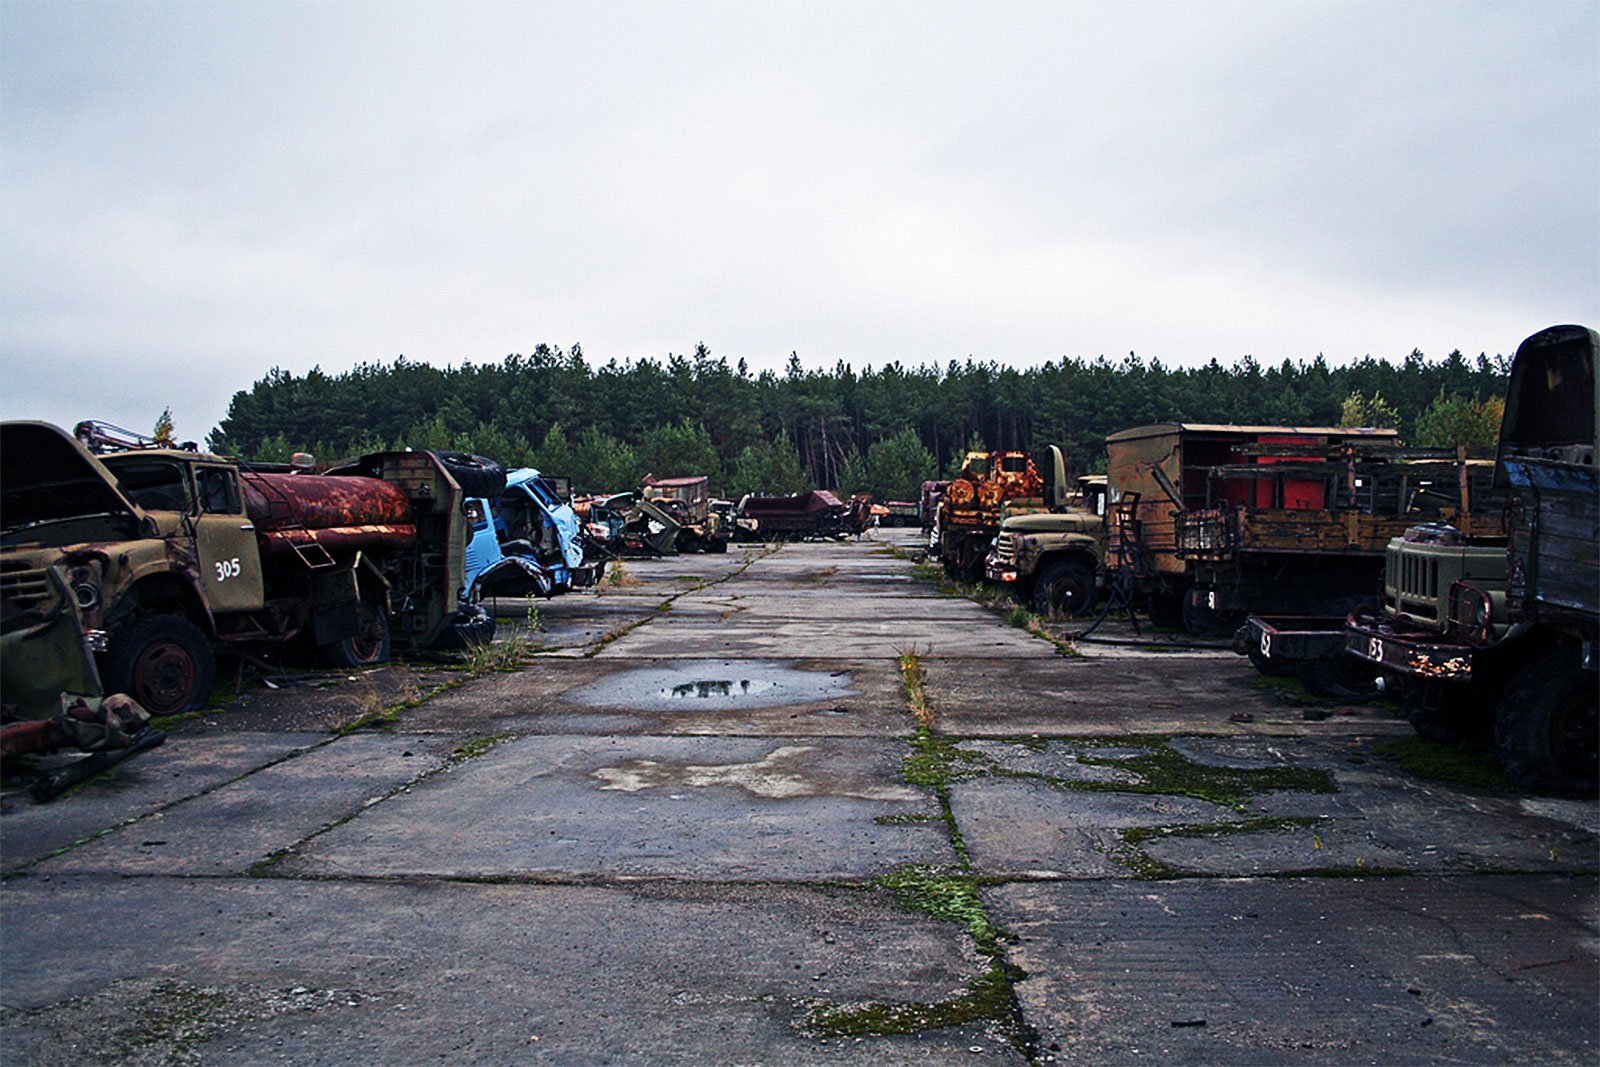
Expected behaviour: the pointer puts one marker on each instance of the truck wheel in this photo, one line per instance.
(1065, 587)
(1202, 620)
(476, 475)
(1343, 677)
(368, 646)
(1166, 609)
(1546, 728)
(162, 661)
(474, 630)
(1453, 716)
(1271, 666)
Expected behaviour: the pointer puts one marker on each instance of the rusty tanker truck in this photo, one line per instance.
(120, 572)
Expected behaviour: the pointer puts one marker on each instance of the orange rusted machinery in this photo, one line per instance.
(970, 511)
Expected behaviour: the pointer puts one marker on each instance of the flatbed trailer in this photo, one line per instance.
(1312, 649)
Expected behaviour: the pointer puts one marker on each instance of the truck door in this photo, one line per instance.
(225, 540)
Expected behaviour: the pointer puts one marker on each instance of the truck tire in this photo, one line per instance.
(1343, 677)
(1065, 587)
(1454, 716)
(1201, 620)
(1546, 727)
(1165, 609)
(474, 630)
(1272, 666)
(162, 661)
(476, 475)
(368, 646)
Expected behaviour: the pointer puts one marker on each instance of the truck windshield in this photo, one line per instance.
(154, 485)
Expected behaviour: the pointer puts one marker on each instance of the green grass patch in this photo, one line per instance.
(936, 762)
(1168, 772)
(1457, 762)
(951, 897)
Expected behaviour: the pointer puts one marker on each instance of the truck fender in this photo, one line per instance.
(170, 589)
(518, 571)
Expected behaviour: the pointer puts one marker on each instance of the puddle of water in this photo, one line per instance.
(702, 685)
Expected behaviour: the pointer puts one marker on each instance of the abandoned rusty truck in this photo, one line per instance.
(688, 502)
(120, 571)
(1049, 552)
(970, 510)
(804, 516)
(1482, 631)
(1210, 521)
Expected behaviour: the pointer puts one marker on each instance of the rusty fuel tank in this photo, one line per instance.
(338, 513)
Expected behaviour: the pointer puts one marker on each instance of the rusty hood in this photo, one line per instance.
(46, 475)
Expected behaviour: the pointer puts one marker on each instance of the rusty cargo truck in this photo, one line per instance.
(816, 513)
(1304, 527)
(1157, 473)
(1501, 631)
(118, 572)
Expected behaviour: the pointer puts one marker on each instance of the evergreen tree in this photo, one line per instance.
(1455, 420)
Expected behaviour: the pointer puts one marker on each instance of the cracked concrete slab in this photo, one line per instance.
(185, 766)
(564, 973)
(1328, 971)
(1022, 828)
(711, 809)
(231, 828)
(1056, 695)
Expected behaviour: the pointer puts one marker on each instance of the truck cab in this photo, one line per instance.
(1050, 551)
(526, 542)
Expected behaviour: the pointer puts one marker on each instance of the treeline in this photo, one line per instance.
(877, 430)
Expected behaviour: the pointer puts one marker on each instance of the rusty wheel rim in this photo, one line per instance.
(164, 677)
(367, 642)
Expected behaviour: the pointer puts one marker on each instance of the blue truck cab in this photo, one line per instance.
(525, 542)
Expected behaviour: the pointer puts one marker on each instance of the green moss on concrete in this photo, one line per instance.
(1459, 763)
(943, 894)
(987, 999)
(477, 746)
(1168, 772)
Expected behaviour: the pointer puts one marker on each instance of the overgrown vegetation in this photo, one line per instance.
(1460, 763)
(911, 684)
(882, 430)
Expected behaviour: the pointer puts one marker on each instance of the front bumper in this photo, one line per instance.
(1422, 654)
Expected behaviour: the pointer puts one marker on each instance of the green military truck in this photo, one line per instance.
(1050, 556)
(1505, 630)
(119, 572)
(1440, 638)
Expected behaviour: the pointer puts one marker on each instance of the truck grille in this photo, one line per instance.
(1413, 582)
(1005, 548)
(25, 586)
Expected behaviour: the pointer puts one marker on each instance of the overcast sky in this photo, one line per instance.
(191, 194)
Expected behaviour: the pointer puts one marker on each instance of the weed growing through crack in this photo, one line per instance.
(912, 685)
(372, 712)
(509, 652)
(618, 577)
(947, 894)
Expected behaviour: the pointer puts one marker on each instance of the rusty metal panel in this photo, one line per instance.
(1144, 534)
(315, 501)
